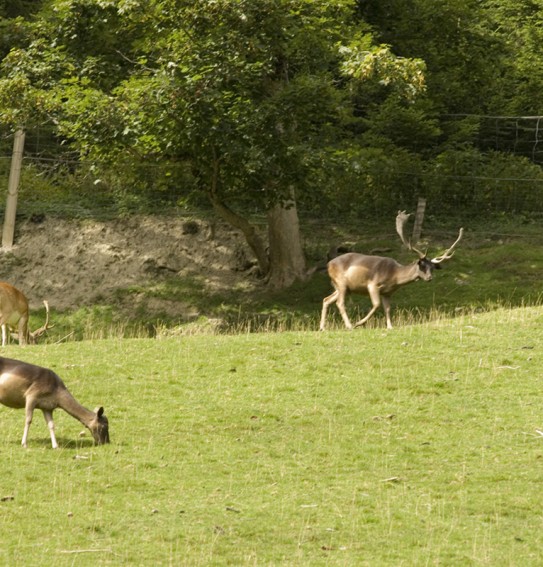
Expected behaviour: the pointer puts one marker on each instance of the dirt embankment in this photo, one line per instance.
(80, 263)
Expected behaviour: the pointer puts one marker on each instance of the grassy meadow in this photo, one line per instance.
(416, 446)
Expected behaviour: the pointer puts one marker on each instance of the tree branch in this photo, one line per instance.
(252, 237)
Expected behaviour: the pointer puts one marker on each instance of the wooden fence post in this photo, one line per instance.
(8, 231)
(419, 218)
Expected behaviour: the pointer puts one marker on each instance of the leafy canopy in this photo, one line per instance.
(252, 92)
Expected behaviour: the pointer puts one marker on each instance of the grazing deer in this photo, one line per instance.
(377, 276)
(14, 313)
(24, 385)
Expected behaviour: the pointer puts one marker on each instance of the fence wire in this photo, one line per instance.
(55, 179)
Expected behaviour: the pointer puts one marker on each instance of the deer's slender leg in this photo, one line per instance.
(48, 415)
(325, 303)
(386, 307)
(375, 297)
(29, 411)
(340, 302)
(23, 326)
(4, 335)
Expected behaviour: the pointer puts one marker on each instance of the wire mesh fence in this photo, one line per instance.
(499, 173)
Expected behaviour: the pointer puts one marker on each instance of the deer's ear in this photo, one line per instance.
(99, 411)
(436, 266)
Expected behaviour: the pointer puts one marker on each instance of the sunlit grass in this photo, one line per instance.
(414, 446)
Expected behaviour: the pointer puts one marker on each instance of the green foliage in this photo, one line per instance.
(65, 192)
(246, 92)
(496, 182)
(346, 105)
(456, 41)
(517, 26)
(371, 181)
(366, 65)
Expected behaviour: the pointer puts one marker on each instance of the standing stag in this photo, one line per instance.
(14, 314)
(24, 385)
(377, 276)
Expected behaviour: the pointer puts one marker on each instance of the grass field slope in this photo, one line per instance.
(416, 446)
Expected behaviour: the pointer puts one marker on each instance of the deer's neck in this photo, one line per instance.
(70, 405)
(407, 274)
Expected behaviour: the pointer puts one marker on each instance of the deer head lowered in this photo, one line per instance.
(378, 276)
(14, 314)
(24, 385)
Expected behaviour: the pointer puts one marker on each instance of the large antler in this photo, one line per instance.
(401, 221)
(448, 254)
(39, 332)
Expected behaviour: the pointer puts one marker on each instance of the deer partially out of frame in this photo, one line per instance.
(377, 276)
(14, 314)
(24, 385)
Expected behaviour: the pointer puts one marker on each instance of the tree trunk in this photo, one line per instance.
(287, 260)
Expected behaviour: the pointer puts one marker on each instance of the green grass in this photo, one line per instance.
(416, 446)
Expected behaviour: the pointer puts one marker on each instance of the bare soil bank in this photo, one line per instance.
(75, 263)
